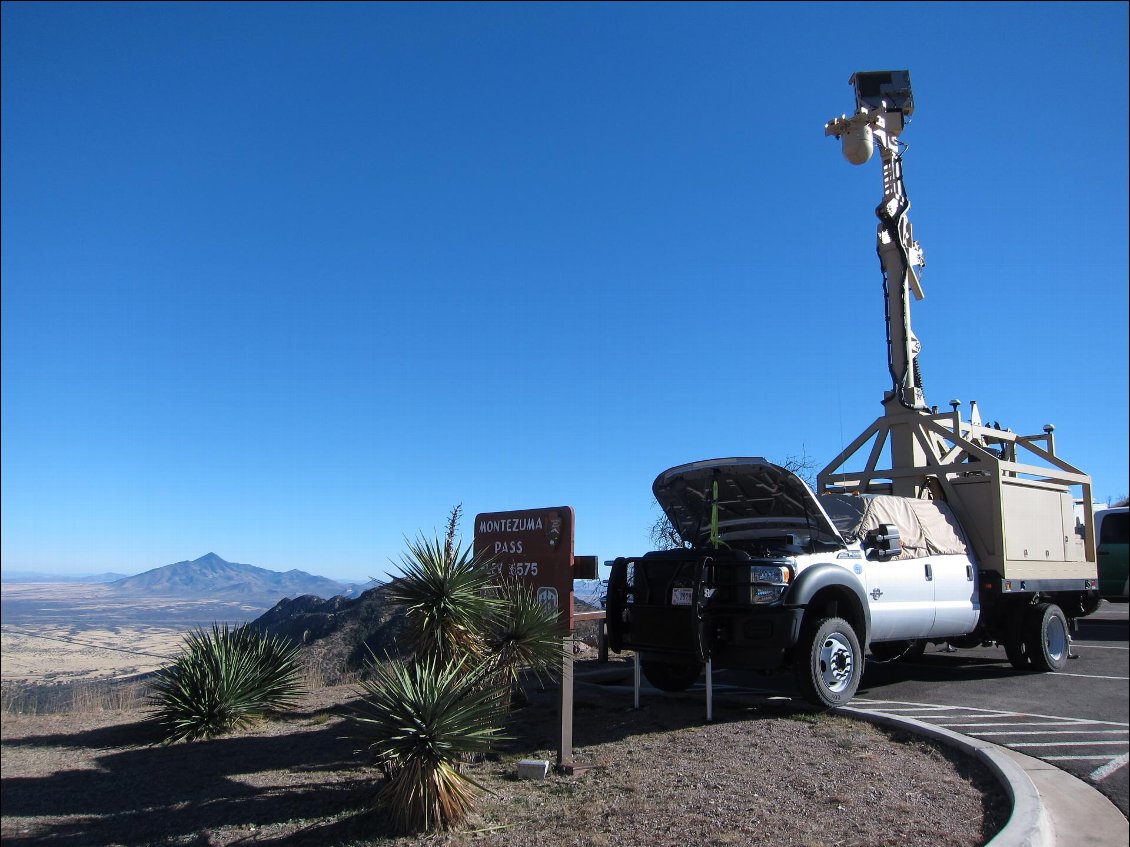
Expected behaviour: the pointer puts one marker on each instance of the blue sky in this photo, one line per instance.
(287, 282)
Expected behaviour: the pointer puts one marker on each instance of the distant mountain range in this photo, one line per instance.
(211, 577)
(39, 576)
(341, 634)
(207, 578)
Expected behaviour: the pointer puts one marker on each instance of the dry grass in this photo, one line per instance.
(87, 698)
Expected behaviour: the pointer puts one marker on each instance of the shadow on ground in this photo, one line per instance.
(143, 794)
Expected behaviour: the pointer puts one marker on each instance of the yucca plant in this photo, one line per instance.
(471, 637)
(222, 680)
(526, 636)
(422, 721)
(447, 596)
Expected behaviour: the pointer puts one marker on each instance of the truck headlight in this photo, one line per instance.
(769, 583)
(769, 574)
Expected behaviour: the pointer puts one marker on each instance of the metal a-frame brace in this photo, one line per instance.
(1019, 517)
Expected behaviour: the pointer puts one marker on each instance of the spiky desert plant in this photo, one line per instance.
(526, 636)
(422, 721)
(224, 679)
(446, 593)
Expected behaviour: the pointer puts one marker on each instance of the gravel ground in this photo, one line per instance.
(760, 774)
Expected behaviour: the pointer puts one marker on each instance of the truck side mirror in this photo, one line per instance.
(884, 540)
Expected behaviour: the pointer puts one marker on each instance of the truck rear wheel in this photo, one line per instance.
(667, 676)
(828, 662)
(1016, 649)
(1046, 638)
(1015, 638)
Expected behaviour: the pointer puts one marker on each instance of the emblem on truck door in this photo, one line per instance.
(876, 594)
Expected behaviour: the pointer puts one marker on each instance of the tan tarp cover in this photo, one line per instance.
(926, 527)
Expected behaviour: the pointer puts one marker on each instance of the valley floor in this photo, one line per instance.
(60, 633)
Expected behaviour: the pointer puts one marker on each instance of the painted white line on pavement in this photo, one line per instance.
(982, 716)
(882, 705)
(1019, 723)
(1066, 743)
(1073, 758)
(1094, 676)
(920, 707)
(1099, 774)
(1097, 646)
(1059, 732)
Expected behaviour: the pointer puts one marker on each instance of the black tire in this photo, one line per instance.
(1046, 637)
(1016, 649)
(897, 651)
(1013, 641)
(828, 662)
(670, 676)
(616, 601)
(1079, 605)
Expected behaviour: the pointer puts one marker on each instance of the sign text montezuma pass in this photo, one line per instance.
(535, 547)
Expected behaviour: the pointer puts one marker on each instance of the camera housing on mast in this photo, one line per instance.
(885, 91)
(884, 103)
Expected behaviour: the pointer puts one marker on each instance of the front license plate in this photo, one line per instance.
(682, 596)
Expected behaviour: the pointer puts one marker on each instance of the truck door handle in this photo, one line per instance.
(929, 574)
(969, 572)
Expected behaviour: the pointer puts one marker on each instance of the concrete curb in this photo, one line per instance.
(1028, 825)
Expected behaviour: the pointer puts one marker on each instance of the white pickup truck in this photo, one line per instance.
(773, 577)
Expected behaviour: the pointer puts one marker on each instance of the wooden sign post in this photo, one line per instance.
(535, 547)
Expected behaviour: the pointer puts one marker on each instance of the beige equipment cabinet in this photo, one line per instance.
(1018, 515)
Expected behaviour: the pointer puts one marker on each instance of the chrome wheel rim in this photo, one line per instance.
(836, 663)
(1056, 638)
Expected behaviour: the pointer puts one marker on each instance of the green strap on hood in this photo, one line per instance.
(714, 542)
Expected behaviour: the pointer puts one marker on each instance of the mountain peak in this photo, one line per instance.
(211, 576)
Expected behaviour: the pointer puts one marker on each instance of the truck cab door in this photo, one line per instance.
(901, 597)
(956, 601)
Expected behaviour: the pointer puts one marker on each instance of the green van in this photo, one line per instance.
(1111, 530)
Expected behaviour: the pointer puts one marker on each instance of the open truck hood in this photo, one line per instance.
(755, 498)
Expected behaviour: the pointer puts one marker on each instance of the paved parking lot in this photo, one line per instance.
(1077, 720)
(1096, 751)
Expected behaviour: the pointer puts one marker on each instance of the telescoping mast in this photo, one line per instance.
(1011, 492)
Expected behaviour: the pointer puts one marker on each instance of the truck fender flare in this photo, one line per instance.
(816, 578)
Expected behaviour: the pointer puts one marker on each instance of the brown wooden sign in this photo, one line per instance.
(535, 547)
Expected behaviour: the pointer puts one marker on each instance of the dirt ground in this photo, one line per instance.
(761, 774)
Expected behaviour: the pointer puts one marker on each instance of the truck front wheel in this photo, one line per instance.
(1046, 637)
(828, 662)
